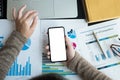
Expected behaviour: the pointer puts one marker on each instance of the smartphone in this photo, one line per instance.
(56, 37)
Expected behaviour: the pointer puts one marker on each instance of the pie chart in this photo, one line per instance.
(27, 45)
(74, 45)
(72, 34)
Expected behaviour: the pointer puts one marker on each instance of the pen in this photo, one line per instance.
(98, 43)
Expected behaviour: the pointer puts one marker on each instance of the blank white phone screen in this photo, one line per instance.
(57, 44)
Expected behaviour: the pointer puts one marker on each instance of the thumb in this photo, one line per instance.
(68, 43)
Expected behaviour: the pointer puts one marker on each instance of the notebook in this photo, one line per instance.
(46, 8)
(99, 10)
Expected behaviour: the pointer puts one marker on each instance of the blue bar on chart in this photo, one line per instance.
(103, 56)
(108, 54)
(1, 39)
(99, 57)
(20, 70)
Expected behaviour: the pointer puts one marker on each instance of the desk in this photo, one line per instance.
(36, 60)
(84, 36)
(33, 55)
(74, 24)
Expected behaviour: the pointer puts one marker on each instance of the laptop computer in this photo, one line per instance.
(46, 8)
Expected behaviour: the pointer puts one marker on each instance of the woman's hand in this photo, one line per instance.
(25, 23)
(70, 50)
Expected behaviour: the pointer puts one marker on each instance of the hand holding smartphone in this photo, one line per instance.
(56, 37)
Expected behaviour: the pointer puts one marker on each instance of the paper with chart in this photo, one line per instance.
(71, 29)
(107, 34)
(28, 63)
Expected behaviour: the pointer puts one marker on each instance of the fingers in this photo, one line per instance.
(47, 47)
(14, 13)
(28, 13)
(20, 12)
(34, 23)
(27, 16)
(31, 16)
(48, 55)
(68, 43)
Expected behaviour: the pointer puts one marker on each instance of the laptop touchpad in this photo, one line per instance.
(45, 8)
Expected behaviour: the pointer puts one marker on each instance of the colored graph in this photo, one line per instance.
(1, 43)
(27, 45)
(74, 45)
(100, 57)
(56, 68)
(71, 34)
(20, 70)
(48, 67)
(103, 42)
(99, 47)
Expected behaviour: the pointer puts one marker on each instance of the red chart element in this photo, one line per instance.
(74, 45)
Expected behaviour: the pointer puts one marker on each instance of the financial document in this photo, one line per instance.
(71, 30)
(28, 63)
(101, 56)
(85, 43)
(32, 60)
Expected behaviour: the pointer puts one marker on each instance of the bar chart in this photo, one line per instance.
(99, 45)
(20, 70)
(1, 39)
(105, 43)
(28, 63)
(102, 57)
(48, 67)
